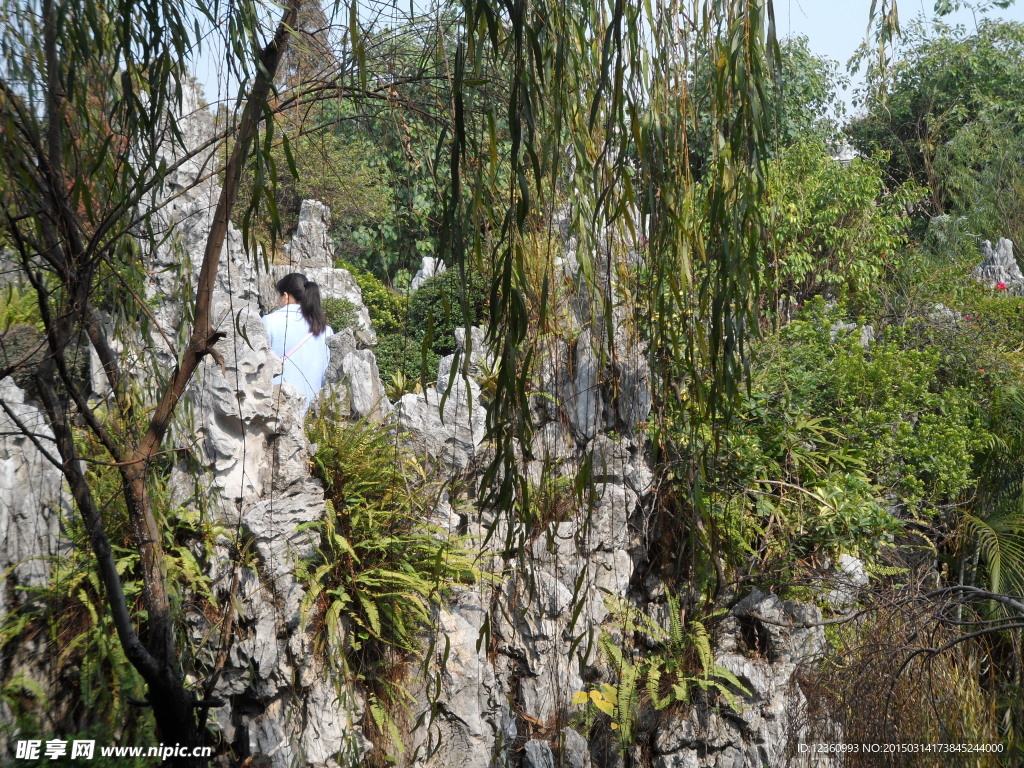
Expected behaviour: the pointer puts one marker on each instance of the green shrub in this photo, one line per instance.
(834, 228)
(437, 307)
(380, 569)
(387, 308)
(19, 307)
(341, 313)
(835, 446)
(397, 353)
(69, 614)
(915, 435)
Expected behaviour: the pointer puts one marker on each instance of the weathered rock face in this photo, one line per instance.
(311, 246)
(183, 216)
(33, 503)
(248, 463)
(32, 498)
(449, 432)
(762, 644)
(253, 461)
(999, 266)
(429, 267)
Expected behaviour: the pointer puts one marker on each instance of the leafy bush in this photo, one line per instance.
(99, 689)
(400, 354)
(834, 228)
(916, 437)
(341, 313)
(834, 446)
(437, 308)
(334, 171)
(387, 309)
(681, 664)
(19, 307)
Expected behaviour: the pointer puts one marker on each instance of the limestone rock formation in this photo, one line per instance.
(999, 266)
(429, 267)
(32, 498)
(762, 644)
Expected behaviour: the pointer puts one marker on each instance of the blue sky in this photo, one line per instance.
(835, 28)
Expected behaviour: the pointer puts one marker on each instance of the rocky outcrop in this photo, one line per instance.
(998, 266)
(311, 252)
(429, 267)
(32, 503)
(32, 498)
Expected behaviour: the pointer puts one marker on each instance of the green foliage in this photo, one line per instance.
(801, 103)
(341, 313)
(19, 306)
(681, 664)
(916, 438)
(398, 354)
(380, 568)
(981, 174)
(408, 133)
(338, 172)
(446, 302)
(834, 447)
(69, 611)
(803, 95)
(991, 551)
(834, 228)
(943, 78)
(386, 307)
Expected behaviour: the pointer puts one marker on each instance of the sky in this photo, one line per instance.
(835, 28)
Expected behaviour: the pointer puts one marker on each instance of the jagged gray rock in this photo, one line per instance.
(452, 434)
(311, 246)
(366, 398)
(429, 267)
(867, 333)
(583, 400)
(575, 752)
(475, 721)
(999, 266)
(537, 754)
(32, 498)
(766, 720)
(341, 344)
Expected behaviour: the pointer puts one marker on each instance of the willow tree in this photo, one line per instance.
(86, 89)
(600, 100)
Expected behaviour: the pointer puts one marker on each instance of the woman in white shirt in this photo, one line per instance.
(298, 334)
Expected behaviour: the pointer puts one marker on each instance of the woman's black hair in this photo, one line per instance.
(307, 293)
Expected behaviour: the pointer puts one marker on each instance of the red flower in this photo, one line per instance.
(1000, 286)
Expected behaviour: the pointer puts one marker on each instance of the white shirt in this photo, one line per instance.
(304, 369)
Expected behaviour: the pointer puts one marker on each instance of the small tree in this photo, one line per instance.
(85, 94)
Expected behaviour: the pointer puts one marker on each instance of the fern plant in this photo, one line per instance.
(682, 664)
(69, 612)
(381, 569)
